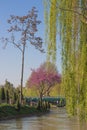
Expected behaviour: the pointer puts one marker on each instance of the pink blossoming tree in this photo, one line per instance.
(43, 79)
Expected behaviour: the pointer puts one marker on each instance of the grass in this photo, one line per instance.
(9, 111)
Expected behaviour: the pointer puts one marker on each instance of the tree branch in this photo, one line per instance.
(6, 40)
(74, 11)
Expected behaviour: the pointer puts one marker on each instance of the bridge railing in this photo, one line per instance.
(58, 101)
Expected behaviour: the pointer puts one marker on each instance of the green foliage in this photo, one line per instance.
(71, 22)
(8, 93)
(32, 92)
(56, 90)
(7, 96)
(2, 94)
(51, 29)
(9, 111)
(10, 88)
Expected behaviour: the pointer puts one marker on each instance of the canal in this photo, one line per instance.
(57, 119)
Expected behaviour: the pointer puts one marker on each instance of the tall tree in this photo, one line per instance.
(24, 27)
(71, 22)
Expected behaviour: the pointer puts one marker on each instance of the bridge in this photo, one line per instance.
(58, 101)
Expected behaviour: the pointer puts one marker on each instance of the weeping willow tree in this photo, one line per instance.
(69, 17)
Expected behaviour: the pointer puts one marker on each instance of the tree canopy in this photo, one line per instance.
(43, 79)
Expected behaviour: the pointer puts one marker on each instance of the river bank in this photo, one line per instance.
(9, 112)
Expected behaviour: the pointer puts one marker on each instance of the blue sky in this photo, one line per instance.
(10, 58)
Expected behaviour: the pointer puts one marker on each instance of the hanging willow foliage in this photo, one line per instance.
(71, 16)
(51, 28)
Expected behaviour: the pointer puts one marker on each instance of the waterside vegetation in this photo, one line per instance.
(14, 111)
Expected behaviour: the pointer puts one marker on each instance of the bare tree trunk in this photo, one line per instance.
(41, 95)
(22, 73)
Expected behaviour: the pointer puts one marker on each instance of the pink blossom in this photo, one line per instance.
(43, 78)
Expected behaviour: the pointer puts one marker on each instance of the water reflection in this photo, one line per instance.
(57, 119)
